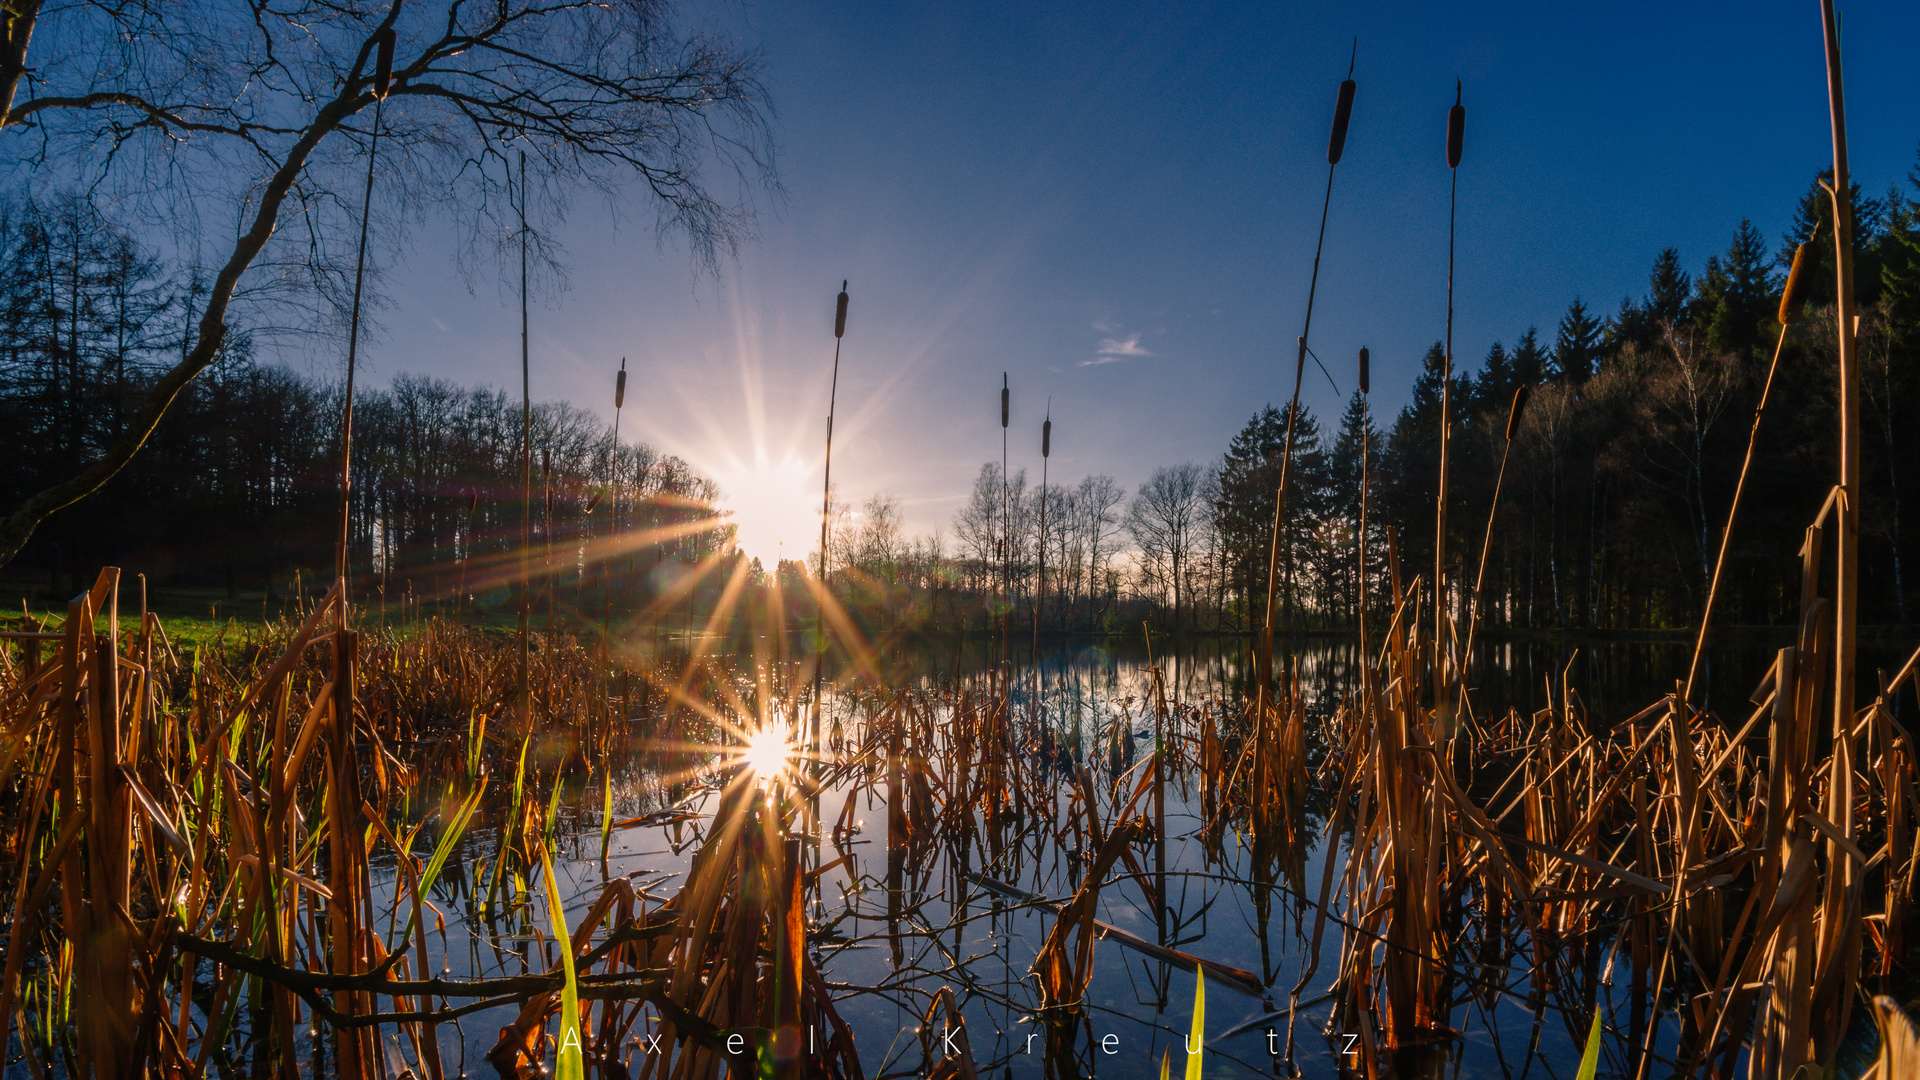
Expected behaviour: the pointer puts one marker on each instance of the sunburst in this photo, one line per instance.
(770, 753)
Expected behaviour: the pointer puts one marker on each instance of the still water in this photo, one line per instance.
(888, 937)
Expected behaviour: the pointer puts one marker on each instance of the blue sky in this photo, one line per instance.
(1115, 203)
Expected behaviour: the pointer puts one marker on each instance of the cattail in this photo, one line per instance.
(1342, 113)
(1790, 296)
(1006, 396)
(383, 61)
(1456, 128)
(1520, 396)
(1046, 438)
(620, 385)
(1366, 360)
(840, 313)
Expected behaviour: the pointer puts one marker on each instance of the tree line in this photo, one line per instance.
(239, 487)
(1613, 489)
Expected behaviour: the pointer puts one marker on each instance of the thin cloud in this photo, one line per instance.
(1114, 347)
(1129, 346)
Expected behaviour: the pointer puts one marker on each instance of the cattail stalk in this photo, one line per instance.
(353, 355)
(826, 508)
(1789, 314)
(1847, 604)
(1360, 545)
(1006, 524)
(1442, 669)
(613, 514)
(383, 80)
(523, 689)
(1336, 146)
(383, 39)
(1040, 592)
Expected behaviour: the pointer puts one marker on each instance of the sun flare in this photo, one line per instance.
(769, 752)
(775, 506)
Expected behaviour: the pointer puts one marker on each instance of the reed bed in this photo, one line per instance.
(190, 847)
(280, 872)
(1753, 874)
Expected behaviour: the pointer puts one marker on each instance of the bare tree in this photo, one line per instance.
(1165, 519)
(978, 524)
(1680, 390)
(1096, 526)
(879, 545)
(239, 126)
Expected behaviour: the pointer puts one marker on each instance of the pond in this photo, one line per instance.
(969, 912)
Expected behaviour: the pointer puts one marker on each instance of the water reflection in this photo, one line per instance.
(937, 888)
(1612, 678)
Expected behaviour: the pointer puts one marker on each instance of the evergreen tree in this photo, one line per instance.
(1529, 359)
(1577, 346)
(1633, 325)
(1666, 306)
(1357, 429)
(1243, 508)
(1409, 475)
(1496, 381)
(1737, 295)
(1671, 297)
(1900, 261)
(1244, 502)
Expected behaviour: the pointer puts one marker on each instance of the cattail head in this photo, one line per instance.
(1006, 399)
(546, 462)
(840, 313)
(1342, 113)
(1456, 128)
(620, 385)
(1046, 437)
(1366, 361)
(1790, 296)
(383, 61)
(1520, 396)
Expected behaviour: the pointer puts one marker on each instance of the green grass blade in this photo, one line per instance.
(520, 772)
(442, 851)
(1590, 1061)
(570, 1064)
(606, 808)
(1197, 1041)
(553, 804)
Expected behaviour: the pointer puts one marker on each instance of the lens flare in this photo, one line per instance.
(769, 752)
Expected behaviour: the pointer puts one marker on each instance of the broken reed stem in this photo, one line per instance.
(1514, 412)
(1739, 492)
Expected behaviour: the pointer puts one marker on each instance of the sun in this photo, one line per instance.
(769, 752)
(775, 507)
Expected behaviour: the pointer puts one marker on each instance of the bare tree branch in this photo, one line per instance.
(249, 113)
